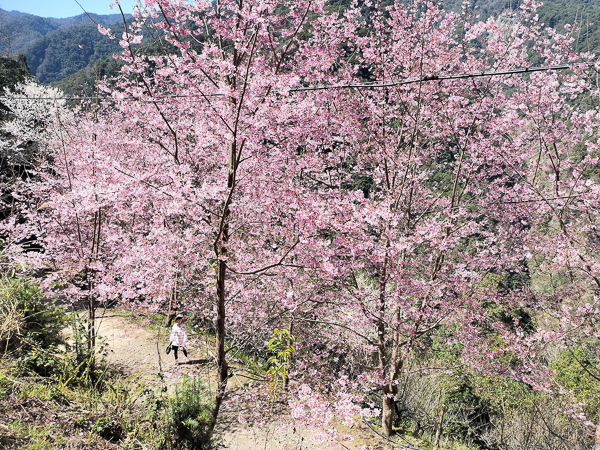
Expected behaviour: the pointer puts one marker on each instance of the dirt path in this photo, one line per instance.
(138, 349)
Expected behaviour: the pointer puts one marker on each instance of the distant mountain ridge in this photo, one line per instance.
(63, 52)
(53, 46)
(19, 30)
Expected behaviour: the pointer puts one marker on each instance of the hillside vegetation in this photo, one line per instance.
(19, 30)
(554, 13)
(57, 48)
(65, 51)
(56, 394)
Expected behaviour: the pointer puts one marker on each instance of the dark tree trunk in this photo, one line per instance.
(597, 437)
(91, 324)
(387, 419)
(221, 250)
(222, 367)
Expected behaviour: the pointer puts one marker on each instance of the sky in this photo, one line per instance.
(63, 8)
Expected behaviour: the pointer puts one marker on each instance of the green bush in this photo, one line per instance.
(6, 383)
(30, 326)
(189, 415)
(89, 367)
(577, 371)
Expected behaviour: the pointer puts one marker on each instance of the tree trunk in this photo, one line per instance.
(221, 250)
(438, 431)
(171, 314)
(388, 409)
(286, 377)
(387, 419)
(169, 320)
(91, 324)
(222, 367)
(597, 439)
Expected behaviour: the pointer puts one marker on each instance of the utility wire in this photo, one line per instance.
(371, 85)
(107, 97)
(378, 84)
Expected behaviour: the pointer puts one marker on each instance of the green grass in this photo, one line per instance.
(56, 411)
(154, 321)
(36, 437)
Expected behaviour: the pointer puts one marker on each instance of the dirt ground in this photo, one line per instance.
(139, 349)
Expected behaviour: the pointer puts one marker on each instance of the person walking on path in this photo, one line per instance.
(179, 338)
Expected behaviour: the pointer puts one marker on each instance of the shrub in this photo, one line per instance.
(30, 326)
(577, 371)
(189, 415)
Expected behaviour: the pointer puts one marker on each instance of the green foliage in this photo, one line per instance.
(282, 343)
(115, 408)
(553, 13)
(40, 38)
(510, 316)
(577, 372)
(189, 415)
(108, 428)
(12, 72)
(584, 13)
(19, 30)
(110, 411)
(30, 326)
(31, 331)
(38, 438)
(83, 82)
(501, 393)
(87, 370)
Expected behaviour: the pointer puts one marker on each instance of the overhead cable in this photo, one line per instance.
(369, 85)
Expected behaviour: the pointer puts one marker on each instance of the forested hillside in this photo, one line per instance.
(553, 13)
(65, 51)
(19, 30)
(53, 47)
(585, 14)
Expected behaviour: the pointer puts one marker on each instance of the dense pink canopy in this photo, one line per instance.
(364, 220)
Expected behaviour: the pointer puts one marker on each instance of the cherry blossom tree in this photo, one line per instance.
(30, 112)
(188, 171)
(448, 168)
(562, 184)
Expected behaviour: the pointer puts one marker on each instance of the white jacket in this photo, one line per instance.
(179, 335)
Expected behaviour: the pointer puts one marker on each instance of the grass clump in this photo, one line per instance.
(31, 437)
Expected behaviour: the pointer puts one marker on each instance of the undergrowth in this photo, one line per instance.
(56, 394)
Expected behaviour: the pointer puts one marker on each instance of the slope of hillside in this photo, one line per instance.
(53, 47)
(19, 30)
(63, 52)
(584, 14)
